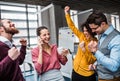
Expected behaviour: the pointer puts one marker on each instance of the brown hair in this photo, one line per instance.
(97, 17)
(39, 29)
(86, 25)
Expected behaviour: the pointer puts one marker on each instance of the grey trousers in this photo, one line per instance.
(52, 75)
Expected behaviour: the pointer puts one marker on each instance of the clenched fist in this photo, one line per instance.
(13, 53)
(93, 46)
(66, 9)
(23, 41)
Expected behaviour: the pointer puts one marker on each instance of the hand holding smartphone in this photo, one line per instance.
(40, 42)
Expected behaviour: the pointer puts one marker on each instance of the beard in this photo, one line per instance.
(11, 30)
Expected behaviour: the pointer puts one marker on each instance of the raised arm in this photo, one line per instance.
(22, 50)
(71, 25)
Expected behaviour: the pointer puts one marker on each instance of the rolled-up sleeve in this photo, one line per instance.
(37, 65)
(113, 62)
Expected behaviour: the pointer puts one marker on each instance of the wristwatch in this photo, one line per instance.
(93, 53)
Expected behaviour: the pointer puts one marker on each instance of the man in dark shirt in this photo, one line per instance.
(10, 57)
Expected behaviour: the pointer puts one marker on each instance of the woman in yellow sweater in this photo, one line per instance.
(83, 58)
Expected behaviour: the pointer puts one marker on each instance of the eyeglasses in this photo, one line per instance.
(95, 27)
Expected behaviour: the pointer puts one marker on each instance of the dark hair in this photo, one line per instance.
(86, 25)
(39, 29)
(97, 17)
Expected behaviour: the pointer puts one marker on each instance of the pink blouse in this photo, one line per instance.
(50, 61)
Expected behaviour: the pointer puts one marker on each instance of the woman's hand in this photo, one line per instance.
(66, 9)
(92, 67)
(64, 52)
(40, 43)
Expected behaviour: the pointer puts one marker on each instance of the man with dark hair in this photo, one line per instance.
(10, 57)
(108, 50)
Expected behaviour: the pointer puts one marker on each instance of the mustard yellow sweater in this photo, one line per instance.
(82, 59)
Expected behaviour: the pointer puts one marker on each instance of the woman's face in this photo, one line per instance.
(86, 33)
(45, 35)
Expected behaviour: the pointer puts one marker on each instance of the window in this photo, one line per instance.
(115, 21)
(25, 19)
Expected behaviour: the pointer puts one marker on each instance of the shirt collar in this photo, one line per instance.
(6, 41)
(108, 31)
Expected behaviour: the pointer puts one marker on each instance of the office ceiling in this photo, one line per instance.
(109, 6)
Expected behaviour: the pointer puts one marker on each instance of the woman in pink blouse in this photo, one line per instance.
(46, 57)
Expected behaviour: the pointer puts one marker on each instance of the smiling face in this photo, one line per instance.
(86, 33)
(9, 27)
(98, 29)
(45, 35)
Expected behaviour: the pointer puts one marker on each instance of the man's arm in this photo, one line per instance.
(113, 62)
(13, 53)
(22, 50)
